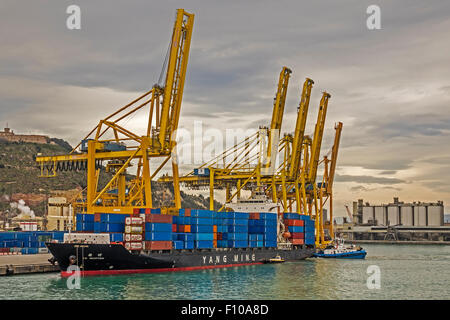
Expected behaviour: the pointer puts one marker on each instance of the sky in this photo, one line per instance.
(390, 87)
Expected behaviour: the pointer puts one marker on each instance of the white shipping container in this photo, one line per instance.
(100, 238)
(28, 226)
(133, 245)
(133, 221)
(133, 237)
(133, 229)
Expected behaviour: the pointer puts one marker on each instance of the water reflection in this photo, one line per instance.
(407, 272)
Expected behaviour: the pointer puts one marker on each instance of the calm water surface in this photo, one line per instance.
(407, 272)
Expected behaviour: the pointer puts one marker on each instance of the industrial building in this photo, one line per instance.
(58, 215)
(397, 221)
(399, 213)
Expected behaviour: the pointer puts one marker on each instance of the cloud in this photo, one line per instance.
(367, 179)
(388, 172)
(389, 87)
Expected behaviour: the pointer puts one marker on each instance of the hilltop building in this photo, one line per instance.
(10, 136)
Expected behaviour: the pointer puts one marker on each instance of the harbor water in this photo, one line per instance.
(406, 272)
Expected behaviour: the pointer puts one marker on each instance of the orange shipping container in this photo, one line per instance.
(157, 245)
(297, 235)
(254, 215)
(293, 222)
(214, 228)
(158, 218)
(184, 228)
(297, 241)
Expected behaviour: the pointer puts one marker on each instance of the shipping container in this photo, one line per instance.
(157, 245)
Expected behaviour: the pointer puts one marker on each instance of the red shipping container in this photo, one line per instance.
(174, 228)
(97, 217)
(135, 210)
(254, 216)
(293, 222)
(219, 235)
(187, 212)
(297, 235)
(297, 241)
(155, 218)
(157, 245)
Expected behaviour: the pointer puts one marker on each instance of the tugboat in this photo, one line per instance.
(340, 251)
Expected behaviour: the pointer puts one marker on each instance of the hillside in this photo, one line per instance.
(19, 178)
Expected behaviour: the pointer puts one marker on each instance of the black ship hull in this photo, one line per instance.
(104, 259)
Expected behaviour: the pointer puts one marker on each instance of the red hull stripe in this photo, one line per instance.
(156, 270)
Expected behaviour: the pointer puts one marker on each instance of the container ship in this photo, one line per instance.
(119, 230)
(148, 241)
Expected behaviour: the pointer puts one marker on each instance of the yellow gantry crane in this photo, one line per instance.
(246, 163)
(326, 187)
(164, 105)
(277, 115)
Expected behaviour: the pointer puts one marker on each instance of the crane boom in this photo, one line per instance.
(176, 73)
(334, 154)
(317, 139)
(126, 146)
(300, 128)
(278, 111)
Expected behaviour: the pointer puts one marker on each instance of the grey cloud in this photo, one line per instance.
(388, 172)
(368, 179)
(389, 87)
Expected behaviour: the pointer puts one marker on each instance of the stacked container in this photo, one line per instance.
(85, 222)
(296, 228)
(198, 229)
(202, 229)
(158, 231)
(301, 227)
(27, 242)
(269, 222)
(134, 230)
(310, 231)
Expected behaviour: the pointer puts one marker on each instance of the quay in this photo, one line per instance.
(26, 264)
